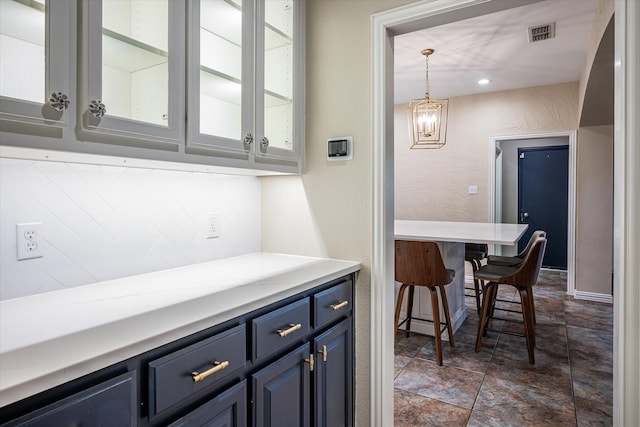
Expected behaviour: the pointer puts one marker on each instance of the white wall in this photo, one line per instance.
(104, 222)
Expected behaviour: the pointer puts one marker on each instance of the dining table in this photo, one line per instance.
(451, 237)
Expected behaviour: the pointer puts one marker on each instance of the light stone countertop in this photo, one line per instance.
(467, 232)
(51, 338)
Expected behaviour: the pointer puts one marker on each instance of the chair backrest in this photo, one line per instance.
(476, 247)
(528, 270)
(534, 237)
(419, 263)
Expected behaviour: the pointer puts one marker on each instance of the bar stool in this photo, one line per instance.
(419, 263)
(474, 253)
(522, 277)
(512, 261)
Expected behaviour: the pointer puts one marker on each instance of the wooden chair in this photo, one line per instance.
(512, 261)
(419, 263)
(522, 277)
(474, 253)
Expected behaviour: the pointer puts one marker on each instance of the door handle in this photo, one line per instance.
(523, 216)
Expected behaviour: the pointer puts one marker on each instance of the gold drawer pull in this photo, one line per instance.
(217, 366)
(339, 305)
(294, 327)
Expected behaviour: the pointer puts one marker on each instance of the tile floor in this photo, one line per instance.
(571, 383)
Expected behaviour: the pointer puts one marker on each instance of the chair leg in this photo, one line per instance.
(410, 308)
(435, 310)
(529, 330)
(486, 302)
(398, 308)
(447, 317)
(475, 265)
(533, 309)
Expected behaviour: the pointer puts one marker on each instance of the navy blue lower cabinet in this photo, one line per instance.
(287, 364)
(228, 409)
(333, 394)
(111, 403)
(281, 391)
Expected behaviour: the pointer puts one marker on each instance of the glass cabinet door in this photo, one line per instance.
(278, 80)
(34, 64)
(134, 68)
(220, 100)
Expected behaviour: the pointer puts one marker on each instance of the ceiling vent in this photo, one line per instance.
(542, 32)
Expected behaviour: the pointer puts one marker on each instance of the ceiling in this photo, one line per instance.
(496, 47)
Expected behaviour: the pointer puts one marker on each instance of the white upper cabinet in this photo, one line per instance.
(132, 79)
(213, 83)
(245, 92)
(34, 64)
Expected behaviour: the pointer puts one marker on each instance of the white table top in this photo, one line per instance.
(468, 232)
(50, 338)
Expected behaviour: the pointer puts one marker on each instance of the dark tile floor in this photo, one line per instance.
(571, 383)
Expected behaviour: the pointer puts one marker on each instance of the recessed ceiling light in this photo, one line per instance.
(483, 81)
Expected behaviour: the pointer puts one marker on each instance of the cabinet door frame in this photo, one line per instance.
(138, 133)
(339, 335)
(278, 371)
(272, 153)
(201, 143)
(57, 50)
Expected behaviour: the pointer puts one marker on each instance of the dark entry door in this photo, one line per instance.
(543, 182)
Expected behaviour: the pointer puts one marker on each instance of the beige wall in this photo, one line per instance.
(327, 211)
(594, 209)
(602, 18)
(432, 184)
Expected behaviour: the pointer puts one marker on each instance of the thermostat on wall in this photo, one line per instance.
(340, 148)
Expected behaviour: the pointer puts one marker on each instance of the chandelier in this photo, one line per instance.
(428, 116)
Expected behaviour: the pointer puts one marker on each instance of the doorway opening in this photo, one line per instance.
(503, 196)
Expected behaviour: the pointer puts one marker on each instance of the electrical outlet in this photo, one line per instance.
(473, 189)
(29, 241)
(212, 226)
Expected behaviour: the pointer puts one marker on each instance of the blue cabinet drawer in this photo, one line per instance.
(332, 303)
(111, 403)
(178, 375)
(281, 327)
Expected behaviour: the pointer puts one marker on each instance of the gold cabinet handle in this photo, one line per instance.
(339, 305)
(310, 361)
(293, 327)
(323, 352)
(217, 367)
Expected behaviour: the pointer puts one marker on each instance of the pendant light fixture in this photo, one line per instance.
(428, 116)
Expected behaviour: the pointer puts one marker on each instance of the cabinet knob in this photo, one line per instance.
(59, 101)
(264, 143)
(97, 109)
(248, 139)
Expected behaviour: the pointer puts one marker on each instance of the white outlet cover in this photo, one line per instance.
(29, 241)
(473, 189)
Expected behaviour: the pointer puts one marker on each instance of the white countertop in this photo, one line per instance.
(468, 232)
(50, 338)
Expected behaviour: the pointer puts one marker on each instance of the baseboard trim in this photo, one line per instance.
(592, 296)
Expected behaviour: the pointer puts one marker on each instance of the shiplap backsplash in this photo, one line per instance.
(104, 222)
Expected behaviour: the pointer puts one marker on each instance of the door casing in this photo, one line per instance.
(495, 191)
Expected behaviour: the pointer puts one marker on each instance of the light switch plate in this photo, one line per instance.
(212, 226)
